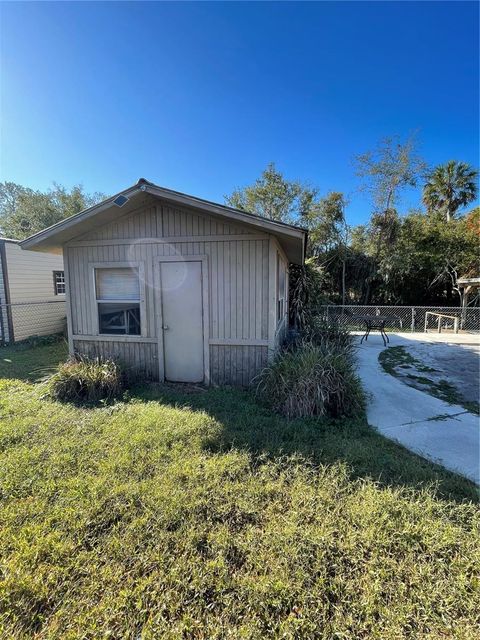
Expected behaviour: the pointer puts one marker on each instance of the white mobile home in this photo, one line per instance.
(176, 287)
(32, 293)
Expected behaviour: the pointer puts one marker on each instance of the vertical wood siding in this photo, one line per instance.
(238, 281)
(163, 221)
(140, 358)
(236, 365)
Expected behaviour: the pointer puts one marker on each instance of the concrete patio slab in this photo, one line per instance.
(441, 432)
(457, 363)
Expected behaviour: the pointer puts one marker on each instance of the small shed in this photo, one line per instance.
(32, 293)
(175, 287)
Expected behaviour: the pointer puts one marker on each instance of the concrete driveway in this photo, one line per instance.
(443, 433)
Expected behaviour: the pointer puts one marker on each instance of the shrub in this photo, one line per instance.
(305, 291)
(34, 341)
(85, 380)
(312, 380)
(330, 335)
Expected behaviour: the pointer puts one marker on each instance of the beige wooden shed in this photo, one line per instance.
(175, 287)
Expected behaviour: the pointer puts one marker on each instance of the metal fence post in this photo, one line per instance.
(412, 326)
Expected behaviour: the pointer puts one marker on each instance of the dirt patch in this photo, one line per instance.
(181, 387)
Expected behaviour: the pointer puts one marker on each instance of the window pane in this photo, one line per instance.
(59, 282)
(119, 319)
(280, 309)
(281, 279)
(117, 284)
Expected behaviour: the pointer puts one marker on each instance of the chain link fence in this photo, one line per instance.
(22, 320)
(406, 318)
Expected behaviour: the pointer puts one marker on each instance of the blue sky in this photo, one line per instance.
(200, 97)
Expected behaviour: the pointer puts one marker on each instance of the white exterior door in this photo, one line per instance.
(182, 321)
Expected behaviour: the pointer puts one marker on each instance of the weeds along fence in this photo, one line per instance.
(22, 320)
(405, 319)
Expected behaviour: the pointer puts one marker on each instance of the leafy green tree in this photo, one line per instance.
(388, 169)
(272, 196)
(10, 194)
(472, 220)
(386, 172)
(326, 223)
(307, 287)
(329, 234)
(428, 257)
(421, 264)
(24, 211)
(450, 187)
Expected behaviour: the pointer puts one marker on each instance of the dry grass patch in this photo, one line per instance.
(85, 380)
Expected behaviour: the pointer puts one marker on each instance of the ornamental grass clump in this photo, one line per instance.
(331, 335)
(83, 380)
(314, 376)
(311, 381)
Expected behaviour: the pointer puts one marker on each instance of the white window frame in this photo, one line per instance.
(139, 267)
(56, 272)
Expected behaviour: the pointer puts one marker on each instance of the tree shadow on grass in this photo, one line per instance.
(250, 426)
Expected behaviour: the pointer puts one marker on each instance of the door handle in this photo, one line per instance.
(165, 327)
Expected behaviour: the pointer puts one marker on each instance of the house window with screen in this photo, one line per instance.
(59, 282)
(281, 288)
(118, 301)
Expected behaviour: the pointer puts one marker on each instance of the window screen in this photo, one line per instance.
(121, 288)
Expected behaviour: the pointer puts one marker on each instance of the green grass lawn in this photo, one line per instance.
(31, 364)
(203, 515)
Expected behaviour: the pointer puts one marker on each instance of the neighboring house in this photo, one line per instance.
(32, 293)
(175, 287)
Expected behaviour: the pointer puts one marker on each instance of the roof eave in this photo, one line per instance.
(220, 209)
(83, 215)
(40, 240)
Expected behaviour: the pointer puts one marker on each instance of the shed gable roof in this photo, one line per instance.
(292, 238)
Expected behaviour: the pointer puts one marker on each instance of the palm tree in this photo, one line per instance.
(449, 187)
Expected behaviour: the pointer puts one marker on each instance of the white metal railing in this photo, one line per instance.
(438, 317)
(406, 318)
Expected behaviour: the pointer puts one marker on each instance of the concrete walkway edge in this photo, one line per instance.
(441, 432)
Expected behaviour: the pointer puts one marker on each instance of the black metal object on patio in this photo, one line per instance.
(374, 323)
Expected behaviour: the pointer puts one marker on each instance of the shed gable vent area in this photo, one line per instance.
(120, 201)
